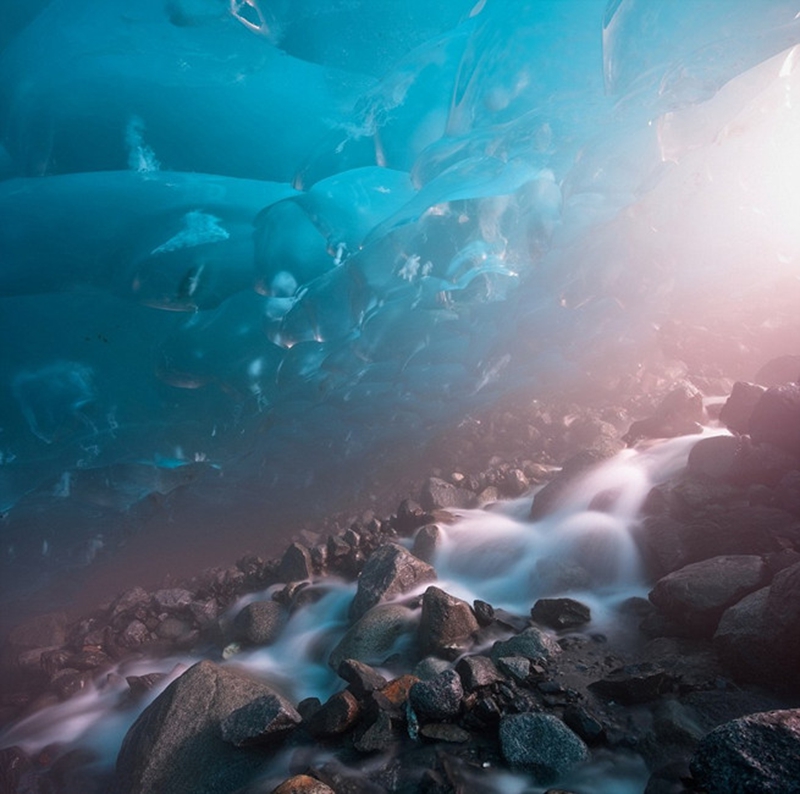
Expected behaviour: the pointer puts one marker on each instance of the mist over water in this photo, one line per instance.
(249, 253)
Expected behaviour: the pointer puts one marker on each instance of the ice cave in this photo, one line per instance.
(269, 268)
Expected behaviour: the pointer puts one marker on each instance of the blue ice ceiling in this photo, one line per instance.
(271, 239)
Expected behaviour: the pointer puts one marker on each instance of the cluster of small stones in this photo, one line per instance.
(537, 693)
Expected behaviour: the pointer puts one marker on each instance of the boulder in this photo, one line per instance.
(259, 623)
(389, 571)
(439, 698)
(550, 497)
(172, 599)
(295, 565)
(560, 613)
(176, 744)
(439, 494)
(375, 637)
(695, 596)
(735, 459)
(738, 408)
(477, 672)
(361, 678)
(336, 716)
(541, 744)
(742, 641)
(680, 413)
(756, 754)
(445, 625)
(782, 621)
(776, 418)
(426, 542)
(262, 721)
(532, 643)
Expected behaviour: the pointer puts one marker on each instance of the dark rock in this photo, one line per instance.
(477, 672)
(262, 721)
(17, 771)
(776, 418)
(532, 643)
(757, 754)
(742, 638)
(738, 408)
(130, 599)
(549, 498)
(172, 599)
(679, 413)
(560, 613)
(782, 620)
(780, 370)
(426, 542)
(303, 784)
(140, 685)
(441, 495)
(375, 637)
(446, 623)
(787, 492)
(585, 724)
(175, 745)
(736, 460)
(516, 667)
(542, 744)
(135, 633)
(639, 683)
(361, 678)
(68, 682)
(296, 565)
(439, 698)
(444, 732)
(389, 571)
(259, 623)
(336, 716)
(696, 596)
(484, 613)
(379, 734)
(410, 516)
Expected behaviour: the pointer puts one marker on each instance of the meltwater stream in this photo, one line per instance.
(584, 548)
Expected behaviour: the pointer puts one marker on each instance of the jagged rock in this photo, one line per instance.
(446, 623)
(259, 623)
(175, 745)
(361, 678)
(378, 734)
(756, 754)
(303, 784)
(738, 408)
(439, 494)
(477, 671)
(635, 683)
(426, 542)
(262, 721)
(560, 613)
(130, 599)
(295, 565)
(439, 698)
(391, 570)
(776, 418)
(542, 744)
(517, 667)
(135, 633)
(374, 638)
(337, 715)
(410, 516)
(532, 643)
(584, 723)
(695, 597)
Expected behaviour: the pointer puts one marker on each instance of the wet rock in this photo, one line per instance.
(172, 599)
(395, 693)
(375, 637)
(69, 682)
(560, 613)
(484, 613)
(679, 413)
(757, 754)
(477, 672)
(695, 596)
(295, 565)
(584, 723)
(632, 684)
(336, 716)
(532, 643)
(361, 678)
(516, 667)
(176, 745)
(259, 623)
(303, 784)
(445, 625)
(140, 685)
(776, 418)
(439, 494)
(409, 517)
(741, 638)
(439, 698)
(738, 408)
(426, 542)
(736, 460)
(391, 570)
(382, 732)
(262, 721)
(541, 744)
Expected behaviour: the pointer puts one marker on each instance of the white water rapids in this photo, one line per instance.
(584, 549)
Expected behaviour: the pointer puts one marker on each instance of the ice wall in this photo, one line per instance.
(259, 245)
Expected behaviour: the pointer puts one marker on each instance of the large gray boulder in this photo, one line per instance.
(176, 744)
(695, 596)
(541, 744)
(756, 754)
(390, 571)
(259, 623)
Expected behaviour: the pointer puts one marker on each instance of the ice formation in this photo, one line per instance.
(265, 240)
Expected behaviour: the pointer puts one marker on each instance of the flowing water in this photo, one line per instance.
(583, 549)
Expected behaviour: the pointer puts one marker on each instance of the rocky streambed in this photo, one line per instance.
(635, 626)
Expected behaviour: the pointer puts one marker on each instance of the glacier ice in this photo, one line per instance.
(275, 241)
